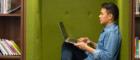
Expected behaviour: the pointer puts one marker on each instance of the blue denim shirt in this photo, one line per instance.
(108, 45)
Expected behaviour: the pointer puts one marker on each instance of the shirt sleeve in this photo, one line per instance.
(110, 48)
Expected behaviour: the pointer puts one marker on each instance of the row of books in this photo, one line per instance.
(137, 6)
(137, 47)
(6, 6)
(9, 48)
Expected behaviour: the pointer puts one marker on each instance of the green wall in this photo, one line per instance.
(125, 27)
(43, 37)
(79, 16)
(33, 30)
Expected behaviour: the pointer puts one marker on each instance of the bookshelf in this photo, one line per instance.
(10, 57)
(12, 28)
(135, 29)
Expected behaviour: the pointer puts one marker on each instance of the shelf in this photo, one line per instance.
(10, 14)
(10, 57)
(137, 58)
(137, 15)
(17, 13)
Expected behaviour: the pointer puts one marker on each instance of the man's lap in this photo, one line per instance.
(71, 52)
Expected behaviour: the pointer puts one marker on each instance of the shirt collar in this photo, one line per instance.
(108, 26)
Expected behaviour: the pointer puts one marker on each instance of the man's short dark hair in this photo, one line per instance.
(111, 8)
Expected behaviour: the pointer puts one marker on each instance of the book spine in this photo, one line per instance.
(5, 6)
(2, 6)
(15, 47)
(12, 48)
(134, 47)
(137, 47)
(6, 52)
(7, 47)
(137, 6)
(2, 49)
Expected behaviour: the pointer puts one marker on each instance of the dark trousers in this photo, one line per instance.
(71, 52)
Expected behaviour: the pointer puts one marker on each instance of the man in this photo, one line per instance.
(109, 42)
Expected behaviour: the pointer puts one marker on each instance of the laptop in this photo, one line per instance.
(68, 39)
(65, 35)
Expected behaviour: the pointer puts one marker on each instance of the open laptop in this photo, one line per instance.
(68, 39)
(65, 35)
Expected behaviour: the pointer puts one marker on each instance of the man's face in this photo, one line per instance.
(104, 16)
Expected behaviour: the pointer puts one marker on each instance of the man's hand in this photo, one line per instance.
(84, 39)
(83, 43)
(84, 46)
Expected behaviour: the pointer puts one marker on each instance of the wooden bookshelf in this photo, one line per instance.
(135, 28)
(12, 28)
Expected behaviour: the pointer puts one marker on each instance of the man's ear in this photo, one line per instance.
(110, 16)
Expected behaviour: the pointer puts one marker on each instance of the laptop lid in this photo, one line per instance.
(65, 34)
(63, 30)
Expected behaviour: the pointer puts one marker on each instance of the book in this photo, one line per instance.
(16, 47)
(9, 47)
(137, 7)
(2, 49)
(6, 47)
(137, 47)
(6, 6)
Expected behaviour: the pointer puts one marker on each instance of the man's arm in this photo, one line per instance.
(110, 48)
